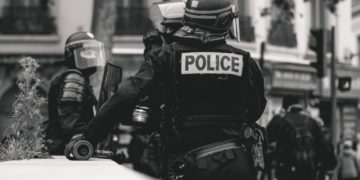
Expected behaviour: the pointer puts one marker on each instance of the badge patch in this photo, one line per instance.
(211, 63)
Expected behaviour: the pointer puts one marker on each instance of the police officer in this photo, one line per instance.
(71, 100)
(213, 93)
(144, 149)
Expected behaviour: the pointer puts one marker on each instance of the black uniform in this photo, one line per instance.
(144, 148)
(211, 89)
(284, 130)
(70, 105)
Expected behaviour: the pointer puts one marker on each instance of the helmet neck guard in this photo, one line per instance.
(198, 36)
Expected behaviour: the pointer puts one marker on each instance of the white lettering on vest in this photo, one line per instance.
(211, 63)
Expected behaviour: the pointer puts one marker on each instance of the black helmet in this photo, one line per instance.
(78, 36)
(212, 15)
(167, 15)
(83, 51)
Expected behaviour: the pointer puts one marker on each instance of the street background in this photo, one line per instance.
(284, 41)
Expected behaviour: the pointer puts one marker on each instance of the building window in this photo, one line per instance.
(27, 17)
(282, 27)
(247, 30)
(355, 8)
(355, 3)
(133, 17)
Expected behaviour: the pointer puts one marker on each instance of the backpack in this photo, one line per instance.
(302, 150)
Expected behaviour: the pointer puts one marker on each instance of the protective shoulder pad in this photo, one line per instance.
(73, 86)
(234, 44)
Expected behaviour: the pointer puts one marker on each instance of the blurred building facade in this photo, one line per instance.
(350, 60)
(39, 28)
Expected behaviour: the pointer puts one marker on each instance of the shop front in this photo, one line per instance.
(347, 112)
(283, 79)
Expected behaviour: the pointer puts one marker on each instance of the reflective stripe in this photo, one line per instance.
(79, 41)
(213, 148)
(200, 16)
(73, 88)
(208, 11)
(71, 96)
(75, 77)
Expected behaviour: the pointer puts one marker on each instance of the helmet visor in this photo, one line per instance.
(91, 54)
(167, 13)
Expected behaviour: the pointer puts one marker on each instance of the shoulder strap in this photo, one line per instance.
(289, 121)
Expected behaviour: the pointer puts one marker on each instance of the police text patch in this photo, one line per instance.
(211, 63)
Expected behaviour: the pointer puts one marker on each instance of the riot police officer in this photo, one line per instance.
(71, 99)
(144, 149)
(212, 95)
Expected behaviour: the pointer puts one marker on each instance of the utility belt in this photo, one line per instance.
(196, 158)
(251, 142)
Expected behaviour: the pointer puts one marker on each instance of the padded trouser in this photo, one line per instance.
(227, 165)
(220, 161)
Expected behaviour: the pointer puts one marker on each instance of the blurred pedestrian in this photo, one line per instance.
(273, 129)
(300, 152)
(324, 173)
(348, 168)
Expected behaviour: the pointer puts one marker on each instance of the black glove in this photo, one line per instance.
(152, 38)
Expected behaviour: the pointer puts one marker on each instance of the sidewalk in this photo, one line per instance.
(59, 168)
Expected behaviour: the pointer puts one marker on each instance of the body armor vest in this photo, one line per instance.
(210, 85)
(56, 95)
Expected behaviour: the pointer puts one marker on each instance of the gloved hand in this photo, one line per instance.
(119, 157)
(77, 137)
(152, 38)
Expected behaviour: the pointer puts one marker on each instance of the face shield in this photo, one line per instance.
(90, 53)
(163, 14)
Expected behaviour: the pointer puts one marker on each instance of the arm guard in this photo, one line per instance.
(73, 88)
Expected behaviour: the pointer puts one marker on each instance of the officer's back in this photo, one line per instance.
(214, 89)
